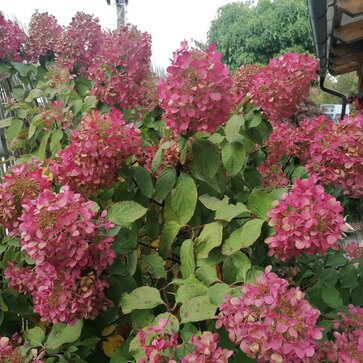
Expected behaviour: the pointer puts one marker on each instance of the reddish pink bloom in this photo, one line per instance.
(283, 83)
(97, 150)
(23, 182)
(12, 40)
(336, 156)
(306, 220)
(44, 35)
(13, 350)
(54, 115)
(197, 92)
(270, 321)
(353, 250)
(325, 353)
(272, 175)
(59, 229)
(80, 42)
(243, 79)
(22, 279)
(157, 343)
(170, 156)
(206, 350)
(121, 70)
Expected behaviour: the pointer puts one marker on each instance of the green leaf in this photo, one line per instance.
(155, 265)
(212, 203)
(228, 212)
(14, 129)
(348, 276)
(187, 260)
(158, 157)
(207, 274)
(331, 296)
(233, 157)
(35, 336)
(206, 158)
(34, 93)
(164, 184)
(243, 237)
(126, 212)
(24, 69)
(188, 291)
(259, 203)
(63, 333)
(43, 145)
(167, 237)
(143, 180)
(242, 264)
(55, 144)
(184, 198)
(334, 260)
(197, 309)
(89, 103)
(233, 127)
(144, 297)
(210, 237)
(218, 292)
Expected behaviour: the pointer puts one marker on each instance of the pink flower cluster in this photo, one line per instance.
(348, 335)
(170, 157)
(243, 79)
(121, 70)
(12, 350)
(285, 81)
(306, 220)
(271, 322)
(54, 115)
(353, 250)
(272, 175)
(157, 343)
(12, 40)
(59, 233)
(80, 42)
(206, 350)
(336, 157)
(44, 35)
(197, 92)
(24, 182)
(97, 150)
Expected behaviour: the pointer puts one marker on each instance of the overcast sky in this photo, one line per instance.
(168, 21)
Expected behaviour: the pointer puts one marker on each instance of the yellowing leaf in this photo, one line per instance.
(109, 330)
(111, 344)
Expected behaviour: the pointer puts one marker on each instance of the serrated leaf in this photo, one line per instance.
(43, 145)
(259, 203)
(55, 144)
(184, 198)
(63, 333)
(207, 274)
(34, 93)
(242, 264)
(126, 212)
(187, 260)
(14, 129)
(218, 292)
(233, 126)
(155, 265)
(233, 157)
(35, 336)
(143, 180)
(243, 237)
(167, 237)
(188, 291)
(164, 184)
(144, 297)
(206, 158)
(212, 203)
(210, 237)
(331, 296)
(348, 277)
(197, 309)
(228, 212)
(158, 157)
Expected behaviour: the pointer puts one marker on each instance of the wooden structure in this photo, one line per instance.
(338, 35)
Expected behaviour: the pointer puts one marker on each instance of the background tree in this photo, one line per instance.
(252, 34)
